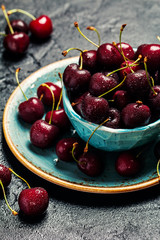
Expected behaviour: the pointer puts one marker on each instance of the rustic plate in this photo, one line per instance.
(43, 162)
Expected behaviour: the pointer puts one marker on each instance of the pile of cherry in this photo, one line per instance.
(16, 39)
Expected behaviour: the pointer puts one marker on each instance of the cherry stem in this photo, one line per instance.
(13, 211)
(145, 66)
(77, 26)
(158, 38)
(19, 177)
(16, 74)
(94, 29)
(59, 101)
(152, 81)
(21, 11)
(158, 168)
(120, 40)
(7, 19)
(65, 52)
(86, 147)
(73, 148)
(114, 87)
(3, 34)
(45, 85)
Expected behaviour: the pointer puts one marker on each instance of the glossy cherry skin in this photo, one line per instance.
(16, 43)
(41, 27)
(33, 202)
(128, 69)
(136, 115)
(127, 50)
(5, 175)
(121, 99)
(90, 164)
(100, 84)
(59, 119)
(46, 94)
(75, 79)
(127, 164)
(114, 118)
(64, 148)
(43, 134)
(137, 84)
(18, 25)
(31, 110)
(154, 99)
(89, 60)
(108, 56)
(94, 109)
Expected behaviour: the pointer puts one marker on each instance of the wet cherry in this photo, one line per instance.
(59, 119)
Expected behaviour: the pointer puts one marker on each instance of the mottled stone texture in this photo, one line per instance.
(71, 214)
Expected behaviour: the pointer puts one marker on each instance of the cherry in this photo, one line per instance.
(76, 79)
(46, 95)
(108, 56)
(136, 114)
(121, 98)
(64, 148)
(43, 134)
(89, 60)
(18, 25)
(114, 118)
(100, 84)
(157, 150)
(127, 164)
(90, 164)
(33, 201)
(154, 99)
(5, 175)
(77, 104)
(127, 50)
(59, 118)
(94, 109)
(129, 69)
(111, 74)
(40, 27)
(137, 84)
(32, 109)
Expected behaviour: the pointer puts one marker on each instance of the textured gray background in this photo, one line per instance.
(74, 215)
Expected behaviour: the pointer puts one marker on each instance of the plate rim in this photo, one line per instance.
(41, 173)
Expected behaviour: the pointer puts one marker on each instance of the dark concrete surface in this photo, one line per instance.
(75, 215)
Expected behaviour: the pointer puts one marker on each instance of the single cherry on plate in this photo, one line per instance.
(32, 109)
(64, 148)
(15, 42)
(127, 164)
(18, 25)
(40, 27)
(33, 202)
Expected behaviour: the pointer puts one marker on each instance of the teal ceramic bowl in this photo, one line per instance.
(109, 139)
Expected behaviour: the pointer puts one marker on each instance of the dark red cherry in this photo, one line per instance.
(76, 79)
(16, 43)
(64, 148)
(18, 25)
(157, 150)
(108, 56)
(90, 164)
(127, 50)
(33, 202)
(127, 164)
(154, 99)
(136, 115)
(139, 50)
(100, 84)
(77, 104)
(114, 118)
(89, 60)
(121, 98)
(152, 52)
(31, 110)
(5, 175)
(45, 94)
(43, 134)
(41, 27)
(128, 69)
(113, 75)
(94, 109)
(59, 118)
(137, 84)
